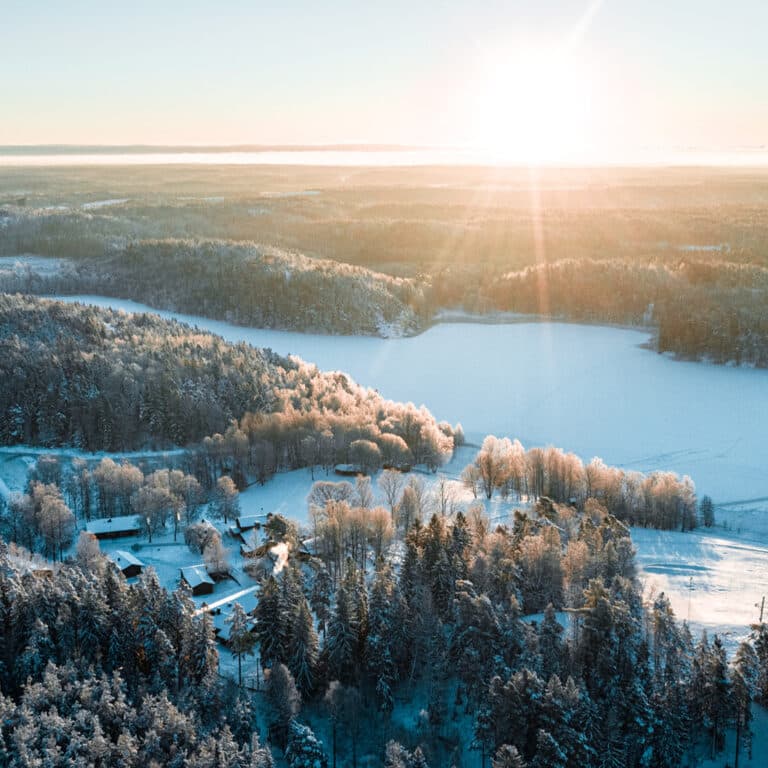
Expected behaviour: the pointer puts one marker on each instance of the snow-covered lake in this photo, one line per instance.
(589, 389)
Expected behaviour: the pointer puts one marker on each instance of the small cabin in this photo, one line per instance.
(348, 470)
(126, 563)
(221, 612)
(114, 527)
(249, 522)
(197, 578)
(398, 466)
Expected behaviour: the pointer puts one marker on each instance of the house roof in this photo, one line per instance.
(123, 559)
(247, 598)
(114, 524)
(250, 521)
(195, 575)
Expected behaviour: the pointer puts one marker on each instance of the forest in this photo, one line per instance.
(383, 251)
(526, 644)
(406, 633)
(103, 380)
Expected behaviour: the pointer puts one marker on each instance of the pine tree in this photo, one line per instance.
(550, 644)
(261, 757)
(320, 598)
(241, 639)
(718, 703)
(707, 510)
(341, 638)
(760, 635)
(303, 654)
(284, 700)
(304, 750)
(548, 752)
(744, 690)
(507, 756)
(270, 628)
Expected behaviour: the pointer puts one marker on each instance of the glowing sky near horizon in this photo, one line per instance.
(542, 79)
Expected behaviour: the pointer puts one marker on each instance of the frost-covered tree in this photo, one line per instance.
(303, 749)
(507, 757)
(303, 654)
(391, 484)
(241, 638)
(284, 700)
(226, 503)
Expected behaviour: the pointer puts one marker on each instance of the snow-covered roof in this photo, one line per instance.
(250, 521)
(195, 575)
(114, 524)
(123, 559)
(246, 597)
(222, 627)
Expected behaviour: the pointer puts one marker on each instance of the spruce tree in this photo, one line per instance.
(241, 638)
(342, 638)
(303, 654)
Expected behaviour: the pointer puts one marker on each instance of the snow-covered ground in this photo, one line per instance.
(104, 203)
(40, 265)
(589, 389)
(714, 580)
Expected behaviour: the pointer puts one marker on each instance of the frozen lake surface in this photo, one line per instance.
(589, 389)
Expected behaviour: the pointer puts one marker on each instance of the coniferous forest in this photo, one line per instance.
(522, 643)
(676, 250)
(416, 599)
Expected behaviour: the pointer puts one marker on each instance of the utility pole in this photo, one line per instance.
(690, 594)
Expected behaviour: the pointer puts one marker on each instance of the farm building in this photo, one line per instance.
(114, 527)
(246, 522)
(126, 563)
(348, 470)
(198, 579)
(221, 610)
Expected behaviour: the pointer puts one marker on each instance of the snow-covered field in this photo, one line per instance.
(715, 581)
(589, 389)
(40, 265)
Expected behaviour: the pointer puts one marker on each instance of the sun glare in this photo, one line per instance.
(532, 105)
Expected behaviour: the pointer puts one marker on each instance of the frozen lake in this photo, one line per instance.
(589, 389)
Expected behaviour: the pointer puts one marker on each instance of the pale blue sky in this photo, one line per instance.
(651, 72)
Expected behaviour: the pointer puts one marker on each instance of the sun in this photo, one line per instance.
(531, 105)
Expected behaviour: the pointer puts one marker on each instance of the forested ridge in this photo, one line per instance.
(381, 251)
(697, 308)
(243, 283)
(105, 380)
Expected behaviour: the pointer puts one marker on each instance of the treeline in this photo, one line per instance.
(260, 286)
(700, 309)
(656, 500)
(103, 380)
(611, 678)
(98, 673)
